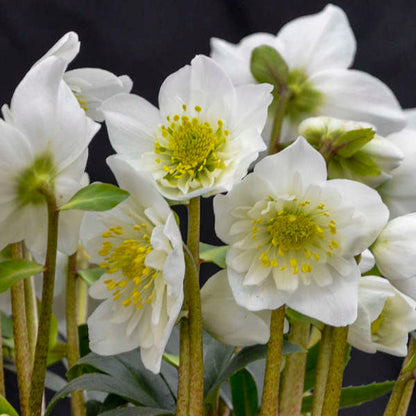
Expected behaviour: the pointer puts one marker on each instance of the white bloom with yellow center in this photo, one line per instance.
(203, 138)
(139, 245)
(293, 235)
(385, 318)
(318, 50)
(91, 86)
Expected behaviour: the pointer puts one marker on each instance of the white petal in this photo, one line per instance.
(66, 48)
(356, 95)
(69, 228)
(367, 261)
(320, 41)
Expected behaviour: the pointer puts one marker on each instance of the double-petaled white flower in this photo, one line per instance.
(385, 318)
(91, 86)
(293, 235)
(201, 140)
(139, 245)
(43, 145)
(318, 50)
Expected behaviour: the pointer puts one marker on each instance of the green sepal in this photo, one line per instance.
(96, 197)
(11, 271)
(360, 164)
(213, 254)
(267, 65)
(89, 276)
(348, 143)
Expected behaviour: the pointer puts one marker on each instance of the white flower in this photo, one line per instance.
(352, 149)
(139, 245)
(399, 193)
(91, 86)
(203, 138)
(43, 143)
(318, 49)
(367, 261)
(293, 235)
(395, 253)
(385, 318)
(228, 322)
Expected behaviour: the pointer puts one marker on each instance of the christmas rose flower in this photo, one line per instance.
(139, 245)
(293, 235)
(202, 138)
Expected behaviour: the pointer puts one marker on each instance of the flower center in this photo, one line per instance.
(136, 285)
(31, 181)
(188, 147)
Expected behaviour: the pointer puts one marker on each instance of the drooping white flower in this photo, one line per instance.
(399, 193)
(318, 50)
(352, 150)
(395, 253)
(139, 245)
(293, 235)
(203, 138)
(227, 321)
(43, 143)
(91, 86)
(385, 318)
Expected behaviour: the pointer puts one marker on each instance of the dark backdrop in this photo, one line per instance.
(148, 40)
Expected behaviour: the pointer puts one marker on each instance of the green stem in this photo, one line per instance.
(269, 403)
(42, 342)
(182, 403)
(293, 376)
(403, 388)
(21, 341)
(72, 342)
(284, 97)
(196, 387)
(322, 368)
(82, 288)
(2, 388)
(336, 372)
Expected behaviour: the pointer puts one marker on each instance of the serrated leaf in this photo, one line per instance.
(267, 65)
(411, 364)
(350, 142)
(11, 271)
(360, 164)
(137, 411)
(213, 254)
(355, 395)
(96, 197)
(89, 276)
(6, 408)
(244, 394)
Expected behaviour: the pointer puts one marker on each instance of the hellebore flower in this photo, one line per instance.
(293, 235)
(139, 245)
(203, 138)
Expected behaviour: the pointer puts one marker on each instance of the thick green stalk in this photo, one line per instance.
(269, 403)
(403, 388)
(72, 342)
(21, 341)
(293, 376)
(336, 372)
(284, 97)
(322, 367)
(196, 387)
(2, 388)
(42, 342)
(82, 288)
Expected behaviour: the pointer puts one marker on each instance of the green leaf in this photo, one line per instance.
(11, 271)
(311, 362)
(244, 394)
(355, 395)
(213, 254)
(137, 411)
(84, 341)
(6, 326)
(6, 408)
(350, 142)
(96, 197)
(91, 275)
(267, 65)
(410, 365)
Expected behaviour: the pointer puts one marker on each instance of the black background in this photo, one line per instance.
(148, 40)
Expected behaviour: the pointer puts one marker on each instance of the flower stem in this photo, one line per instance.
(269, 403)
(403, 388)
(82, 288)
(21, 341)
(284, 97)
(2, 388)
(336, 372)
(293, 376)
(42, 342)
(31, 314)
(322, 367)
(196, 367)
(72, 342)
